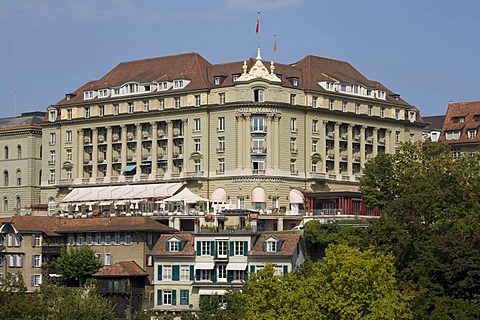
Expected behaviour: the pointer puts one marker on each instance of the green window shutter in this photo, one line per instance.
(174, 297)
(245, 276)
(229, 276)
(245, 248)
(264, 246)
(212, 248)
(278, 246)
(159, 273)
(159, 297)
(167, 246)
(199, 248)
(214, 275)
(184, 296)
(197, 275)
(252, 269)
(232, 248)
(285, 270)
(176, 273)
(180, 245)
(192, 273)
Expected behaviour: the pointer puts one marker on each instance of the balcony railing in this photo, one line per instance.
(259, 150)
(258, 171)
(258, 128)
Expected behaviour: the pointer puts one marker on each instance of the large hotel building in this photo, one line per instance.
(250, 134)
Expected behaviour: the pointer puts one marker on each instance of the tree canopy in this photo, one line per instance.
(77, 264)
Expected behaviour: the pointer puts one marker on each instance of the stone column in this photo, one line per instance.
(388, 143)
(138, 151)
(350, 149)
(79, 164)
(109, 154)
(269, 141)
(276, 144)
(280, 224)
(247, 142)
(323, 145)
(154, 151)
(168, 173)
(124, 147)
(336, 148)
(186, 136)
(240, 137)
(362, 146)
(375, 142)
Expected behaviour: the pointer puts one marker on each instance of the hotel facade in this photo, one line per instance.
(249, 134)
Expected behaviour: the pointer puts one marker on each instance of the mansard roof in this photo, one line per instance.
(187, 245)
(288, 242)
(122, 269)
(27, 119)
(470, 112)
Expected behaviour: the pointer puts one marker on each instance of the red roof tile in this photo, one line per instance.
(121, 269)
(26, 224)
(187, 245)
(288, 247)
(112, 224)
(469, 111)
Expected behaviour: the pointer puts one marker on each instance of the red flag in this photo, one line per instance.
(257, 27)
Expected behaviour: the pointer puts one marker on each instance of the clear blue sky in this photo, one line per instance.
(426, 50)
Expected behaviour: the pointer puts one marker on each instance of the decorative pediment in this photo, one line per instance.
(258, 70)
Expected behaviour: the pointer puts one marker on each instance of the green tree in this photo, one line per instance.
(77, 264)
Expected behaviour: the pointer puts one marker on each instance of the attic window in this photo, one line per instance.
(295, 82)
(177, 84)
(458, 119)
(259, 95)
(52, 115)
(217, 81)
(271, 245)
(173, 245)
(89, 95)
(235, 76)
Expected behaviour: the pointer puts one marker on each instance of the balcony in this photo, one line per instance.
(192, 174)
(258, 150)
(258, 129)
(258, 171)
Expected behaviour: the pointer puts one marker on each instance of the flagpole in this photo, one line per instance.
(257, 29)
(275, 48)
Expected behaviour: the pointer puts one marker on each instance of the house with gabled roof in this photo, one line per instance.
(190, 266)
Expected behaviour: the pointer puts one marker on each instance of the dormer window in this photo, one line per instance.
(295, 82)
(217, 81)
(235, 76)
(52, 115)
(178, 84)
(412, 116)
(271, 245)
(452, 135)
(330, 86)
(173, 245)
(472, 134)
(103, 93)
(89, 95)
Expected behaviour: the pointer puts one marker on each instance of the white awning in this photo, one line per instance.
(209, 292)
(296, 196)
(258, 195)
(219, 196)
(237, 266)
(204, 265)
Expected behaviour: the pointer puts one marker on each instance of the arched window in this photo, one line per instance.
(5, 204)
(19, 177)
(18, 204)
(19, 152)
(259, 198)
(5, 178)
(6, 153)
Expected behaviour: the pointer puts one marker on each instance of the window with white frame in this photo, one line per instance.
(271, 245)
(314, 145)
(238, 275)
(222, 249)
(131, 107)
(205, 275)
(167, 297)
(259, 95)
(397, 114)
(36, 260)
(472, 133)
(314, 101)
(205, 248)
(197, 165)
(315, 126)
(397, 136)
(69, 154)
(51, 179)
(370, 110)
(221, 123)
(258, 123)
(161, 103)
(278, 271)
(69, 136)
(314, 166)
(146, 105)
(221, 165)
(69, 114)
(52, 156)
(36, 280)
(293, 124)
(258, 164)
(382, 112)
(14, 240)
(357, 108)
(197, 101)
(15, 260)
(173, 245)
(241, 202)
(177, 102)
(184, 272)
(452, 135)
(258, 144)
(101, 111)
(198, 144)
(221, 144)
(177, 84)
(221, 98)
(293, 166)
(87, 112)
(331, 104)
(167, 272)
(116, 109)
(221, 273)
(197, 124)
(52, 115)
(293, 145)
(37, 240)
(53, 138)
(456, 153)
(238, 248)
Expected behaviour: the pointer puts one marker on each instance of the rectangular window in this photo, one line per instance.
(258, 123)
(36, 261)
(161, 103)
(397, 114)
(52, 176)
(221, 98)
(146, 105)
(221, 273)
(184, 273)
(258, 164)
(131, 107)
(455, 153)
(357, 108)
(382, 112)
(184, 295)
(197, 124)
(37, 240)
(472, 133)
(167, 272)
(69, 114)
(197, 165)
(173, 246)
(221, 144)
(53, 138)
(69, 136)
(315, 126)
(452, 135)
(314, 101)
(271, 246)
(177, 102)
(344, 106)
(205, 248)
(314, 145)
(197, 101)
(397, 136)
(292, 99)
(331, 105)
(293, 145)
(167, 297)
(370, 110)
(221, 123)
(238, 248)
(15, 261)
(69, 154)
(293, 166)
(238, 275)
(198, 144)
(222, 249)
(52, 157)
(205, 275)
(116, 109)
(278, 271)
(221, 165)
(101, 111)
(241, 202)
(259, 95)
(87, 112)
(36, 280)
(293, 124)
